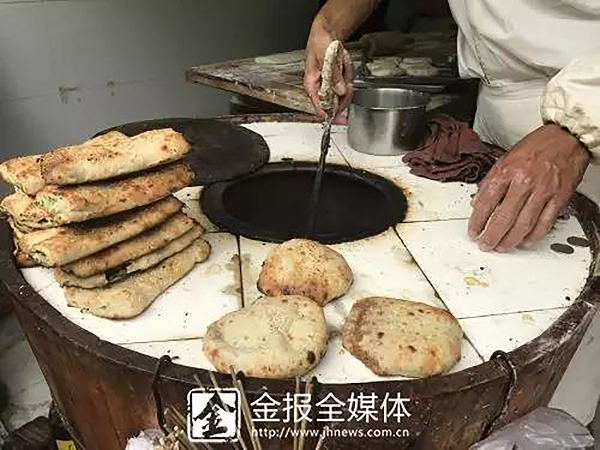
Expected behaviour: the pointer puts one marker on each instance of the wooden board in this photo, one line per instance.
(281, 82)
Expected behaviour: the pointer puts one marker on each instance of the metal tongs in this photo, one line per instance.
(329, 102)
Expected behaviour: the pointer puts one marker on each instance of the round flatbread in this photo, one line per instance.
(400, 337)
(419, 67)
(278, 337)
(307, 268)
(386, 67)
(416, 60)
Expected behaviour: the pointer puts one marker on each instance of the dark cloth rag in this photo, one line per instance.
(452, 152)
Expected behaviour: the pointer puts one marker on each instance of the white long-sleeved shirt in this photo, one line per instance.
(538, 60)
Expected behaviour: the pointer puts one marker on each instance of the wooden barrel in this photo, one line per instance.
(104, 391)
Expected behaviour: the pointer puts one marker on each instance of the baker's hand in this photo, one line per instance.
(521, 197)
(318, 42)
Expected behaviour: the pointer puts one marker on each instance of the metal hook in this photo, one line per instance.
(510, 367)
(160, 413)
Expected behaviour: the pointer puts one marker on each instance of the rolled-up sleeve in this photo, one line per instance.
(572, 100)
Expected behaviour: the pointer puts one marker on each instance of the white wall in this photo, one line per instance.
(117, 61)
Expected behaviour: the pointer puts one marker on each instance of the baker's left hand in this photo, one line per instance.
(521, 197)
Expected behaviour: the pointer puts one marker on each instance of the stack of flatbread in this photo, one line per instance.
(102, 215)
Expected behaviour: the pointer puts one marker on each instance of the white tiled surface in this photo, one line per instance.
(298, 141)
(362, 160)
(393, 274)
(182, 312)
(382, 267)
(38, 278)
(473, 283)
(185, 352)
(189, 193)
(339, 366)
(430, 200)
(191, 198)
(252, 255)
(507, 331)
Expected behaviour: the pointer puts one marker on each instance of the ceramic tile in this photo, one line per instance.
(473, 283)
(25, 50)
(182, 312)
(28, 394)
(339, 366)
(190, 197)
(39, 278)
(185, 352)
(381, 265)
(189, 193)
(193, 210)
(252, 255)
(298, 141)
(362, 160)
(506, 332)
(428, 199)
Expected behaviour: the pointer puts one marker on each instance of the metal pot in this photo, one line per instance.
(386, 121)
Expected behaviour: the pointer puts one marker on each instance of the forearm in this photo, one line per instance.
(340, 18)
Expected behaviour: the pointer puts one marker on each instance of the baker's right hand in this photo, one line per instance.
(318, 42)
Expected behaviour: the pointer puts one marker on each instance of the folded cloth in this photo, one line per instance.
(452, 152)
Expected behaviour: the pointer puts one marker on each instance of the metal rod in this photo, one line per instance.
(316, 190)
